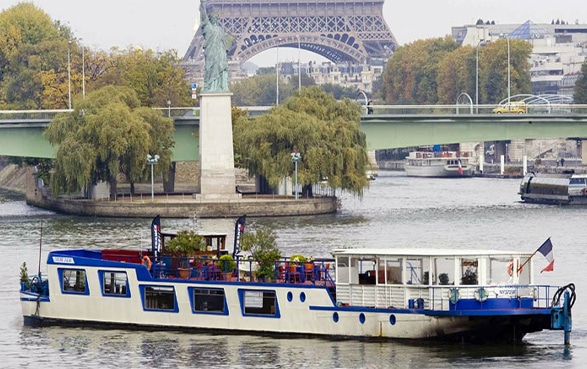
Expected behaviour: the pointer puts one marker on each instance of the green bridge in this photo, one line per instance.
(21, 131)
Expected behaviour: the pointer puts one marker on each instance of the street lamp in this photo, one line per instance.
(169, 108)
(69, 73)
(83, 72)
(509, 72)
(152, 160)
(477, 78)
(295, 157)
(277, 75)
(299, 64)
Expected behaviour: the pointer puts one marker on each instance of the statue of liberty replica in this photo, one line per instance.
(216, 46)
(216, 156)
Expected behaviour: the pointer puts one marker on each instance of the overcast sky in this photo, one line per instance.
(164, 25)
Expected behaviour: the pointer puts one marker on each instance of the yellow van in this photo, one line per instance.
(514, 107)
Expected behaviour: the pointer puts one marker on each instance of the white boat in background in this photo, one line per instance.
(454, 295)
(560, 189)
(439, 164)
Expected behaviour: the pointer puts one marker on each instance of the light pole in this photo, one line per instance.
(295, 157)
(299, 64)
(169, 108)
(477, 79)
(69, 74)
(83, 72)
(509, 73)
(277, 75)
(152, 160)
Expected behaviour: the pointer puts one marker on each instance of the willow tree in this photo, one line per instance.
(107, 134)
(324, 131)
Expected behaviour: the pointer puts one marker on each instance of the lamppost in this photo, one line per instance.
(299, 64)
(295, 157)
(509, 72)
(83, 71)
(169, 108)
(477, 79)
(277, 75)
(152, 160)
(69, 74)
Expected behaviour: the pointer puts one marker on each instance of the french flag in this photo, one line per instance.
(460, 167)
(546, 251)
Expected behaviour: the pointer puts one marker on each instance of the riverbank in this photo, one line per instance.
(12, 177)
(179, 205)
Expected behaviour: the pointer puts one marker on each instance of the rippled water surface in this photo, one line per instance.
(395, 211)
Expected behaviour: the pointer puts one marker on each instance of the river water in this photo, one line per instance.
(395, 211)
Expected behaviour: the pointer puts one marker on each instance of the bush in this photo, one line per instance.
(226, 263)
(186, 243)
(263, 248)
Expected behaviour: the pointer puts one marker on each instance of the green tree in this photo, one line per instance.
(580, 94)
(324, 131)
(455, 75)
(157, 78)
(493, 70)
(108, 133)
(31, 44)
(410, 76)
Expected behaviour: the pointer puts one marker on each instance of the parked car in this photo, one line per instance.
(514, 107)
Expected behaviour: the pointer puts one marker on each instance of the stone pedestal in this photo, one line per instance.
(217, 179)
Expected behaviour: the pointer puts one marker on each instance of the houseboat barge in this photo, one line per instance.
(408, 293)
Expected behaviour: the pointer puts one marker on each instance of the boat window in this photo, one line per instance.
(363, 269)
(498, 271)
(469, 273)
(393, 270)
(159, 298)
(444, 269)
(259, 302)
(342, 269)
(114, 283)
(418, 271)
(74, 281)
(209, 299)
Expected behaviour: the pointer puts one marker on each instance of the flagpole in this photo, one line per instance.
(531, 256)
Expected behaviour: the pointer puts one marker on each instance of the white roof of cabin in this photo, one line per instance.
(428, 252)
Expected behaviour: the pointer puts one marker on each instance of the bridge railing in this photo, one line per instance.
(190, 112)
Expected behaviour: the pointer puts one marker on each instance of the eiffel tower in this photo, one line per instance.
(340, 30)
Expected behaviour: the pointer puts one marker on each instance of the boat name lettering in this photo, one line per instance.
(63, 260)
(505, 291)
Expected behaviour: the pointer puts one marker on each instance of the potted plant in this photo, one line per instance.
(184, 246)
(263, 248)
(298, 259)
(227, 265)
(25, 282)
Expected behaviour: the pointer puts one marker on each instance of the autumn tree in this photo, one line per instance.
(580, 94)
(107, 134)
(493, 70)
(156, 77)
(31, 44)
(411, 73)
(324, 131)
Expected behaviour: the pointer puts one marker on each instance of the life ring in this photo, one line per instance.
(481, 294)
(454, 295)
(511, 268)
(147, 262)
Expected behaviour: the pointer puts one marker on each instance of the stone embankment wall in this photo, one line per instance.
(22, 180)
(12, 177)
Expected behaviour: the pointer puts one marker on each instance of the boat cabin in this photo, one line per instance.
(383, 278)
